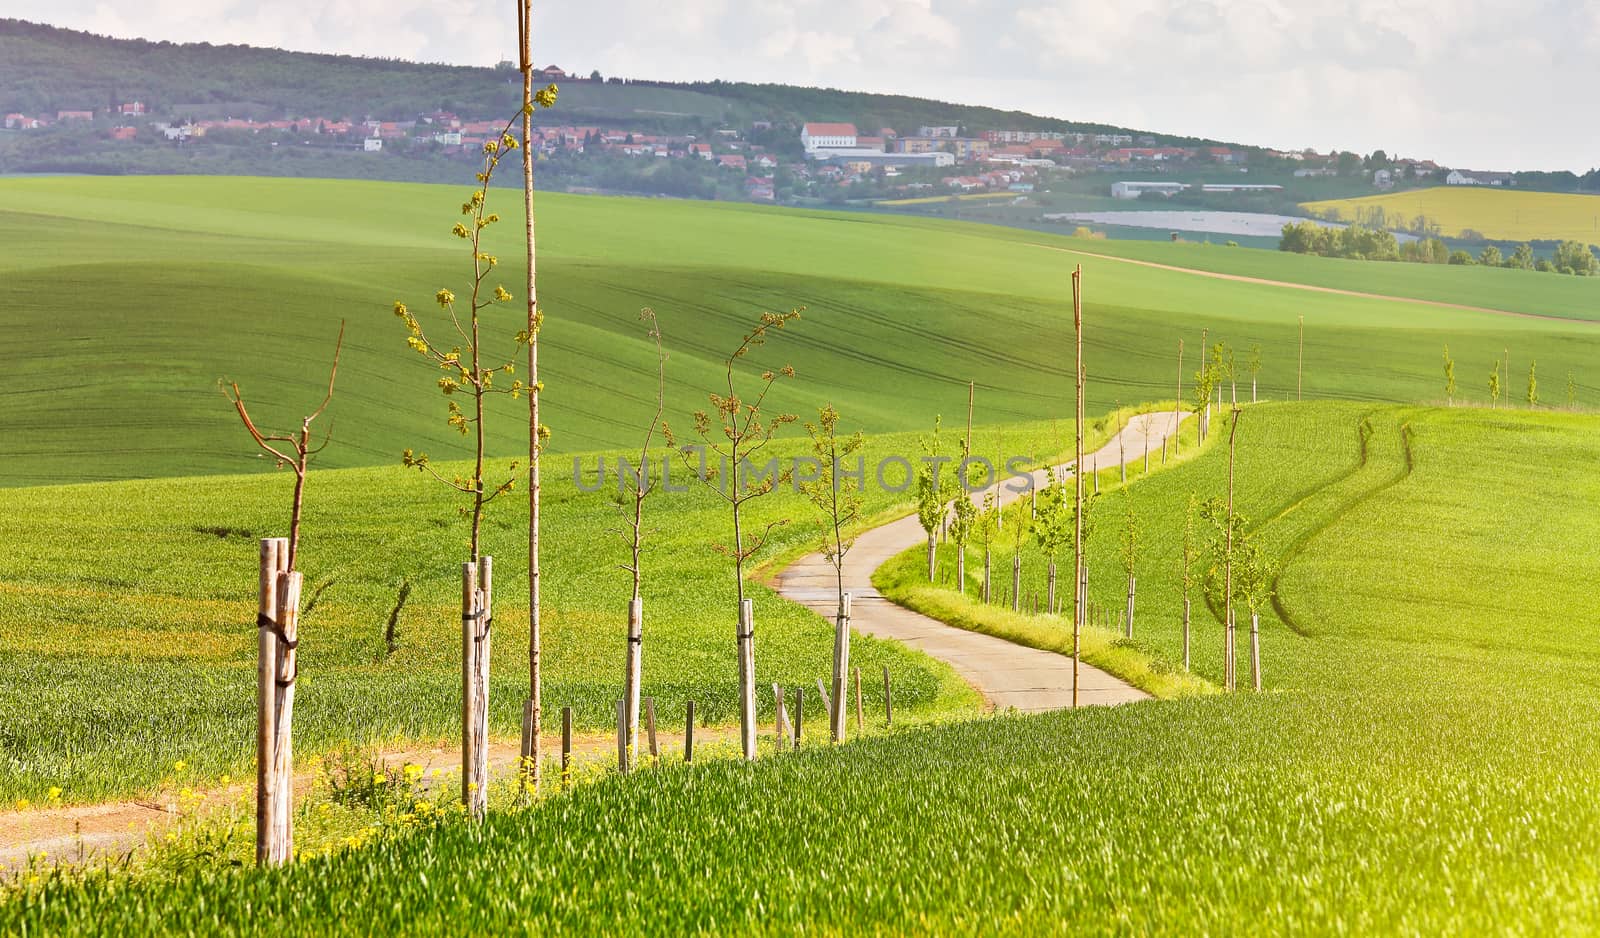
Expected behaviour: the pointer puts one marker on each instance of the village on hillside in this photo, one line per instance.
(769, 161)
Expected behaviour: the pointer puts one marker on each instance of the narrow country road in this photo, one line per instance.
(1007, 674)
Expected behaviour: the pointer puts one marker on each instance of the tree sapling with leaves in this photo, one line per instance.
(934, 493)
(1533, 383)
(742, 429)
(837, 495)
(1449, 378)
(1052, 528)
(465, 369)
(1190, 555)
(1254, 364)
(1494, 385)
(1130, 549)
(1254, 573)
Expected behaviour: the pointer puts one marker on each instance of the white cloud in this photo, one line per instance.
(1469, 82)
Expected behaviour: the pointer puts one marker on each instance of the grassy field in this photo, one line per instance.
(127, 644)
(114, 282)
(1422, 763)
(1497, 214)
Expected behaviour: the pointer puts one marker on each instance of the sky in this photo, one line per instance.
(1477, 84)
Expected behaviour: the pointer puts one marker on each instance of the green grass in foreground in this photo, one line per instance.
(127, 298)
(1423, 764)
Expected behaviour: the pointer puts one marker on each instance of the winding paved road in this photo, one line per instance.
(1005, 673)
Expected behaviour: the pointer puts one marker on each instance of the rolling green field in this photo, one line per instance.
(1423, 761)
(135, 295)
(127, 640)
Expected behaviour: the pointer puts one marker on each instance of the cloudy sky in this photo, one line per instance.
(1482, 84)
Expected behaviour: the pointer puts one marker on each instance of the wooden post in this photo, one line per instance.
(650, 726)
(266, 693)
(1255, 651)
(1177, 408)
(1186, 633)
(860, 714)
(888, 705)
(688, 734)
(283, 721)
(1016, 581)
(827, 702)
(566, 746)
(777, 717)
(747, 679)
(631, 680)
(799, 713)
(841, 668)
(986, 569)
(1130, 605)
(622, 735)
(474, 686)
(1050, 587)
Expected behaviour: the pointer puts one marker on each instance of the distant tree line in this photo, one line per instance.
(1358, 242)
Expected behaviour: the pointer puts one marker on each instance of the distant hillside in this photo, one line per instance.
(45, 69)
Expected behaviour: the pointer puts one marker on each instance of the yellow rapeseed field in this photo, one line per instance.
(1500, 214)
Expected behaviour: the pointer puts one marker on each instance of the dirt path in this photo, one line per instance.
(80, 833)
(1006, 674)
(1311, 288)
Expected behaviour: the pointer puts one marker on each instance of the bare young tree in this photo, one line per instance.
(837, 495)
(277, 625)
(742, 429)
(635, 486)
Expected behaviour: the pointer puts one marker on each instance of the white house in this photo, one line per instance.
(1467, 177)
(372, 144)
(1132, 190)
(816, 137)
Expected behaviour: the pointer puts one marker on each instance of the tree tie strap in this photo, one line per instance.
(264, 621)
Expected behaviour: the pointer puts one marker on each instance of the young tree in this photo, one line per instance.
(1177, 404)
(985, 529)
(1490, 257)
(1494, 385)
(1053, 528)
(1533, 383)
(934, 492)
(1190, 555)
(1254, 572)
(1449, 378)
(634, 487)
(1254, 364)
(538, 433)
(1019, 522)
(742, 430)
(838, 496)
(964, 512)
(1572, 391)
(277, 625)
(1225, 526)
(1521, 258)
(1147, 423)
(1130, 549)
(465, 368)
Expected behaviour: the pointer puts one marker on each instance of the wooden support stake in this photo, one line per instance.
(827, 702)
(622, 735)
(777, 717)
(1255, 651)
(283, 721)
(888, 705)
(688, 734)
(631, 680)
(841, 669)
(799, 713)
(266, 693)
(860, 714)
(747, 679)
(474, 699)
(566, 746)
(650, 725)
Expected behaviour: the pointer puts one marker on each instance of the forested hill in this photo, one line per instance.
(45, 69)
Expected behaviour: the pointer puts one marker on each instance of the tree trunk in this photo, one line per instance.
(1186, 633)
(841, 668)
(1130, 605)
(1255, 651)
(986, 576)
(932, 548)
(532, 713)
(961, 569)
(1016, 582)
(631, 680)
(1050, 587)
(1252, 389)
(747, 679)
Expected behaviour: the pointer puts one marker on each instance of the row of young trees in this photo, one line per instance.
(1499, 389)
(1359, 242)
